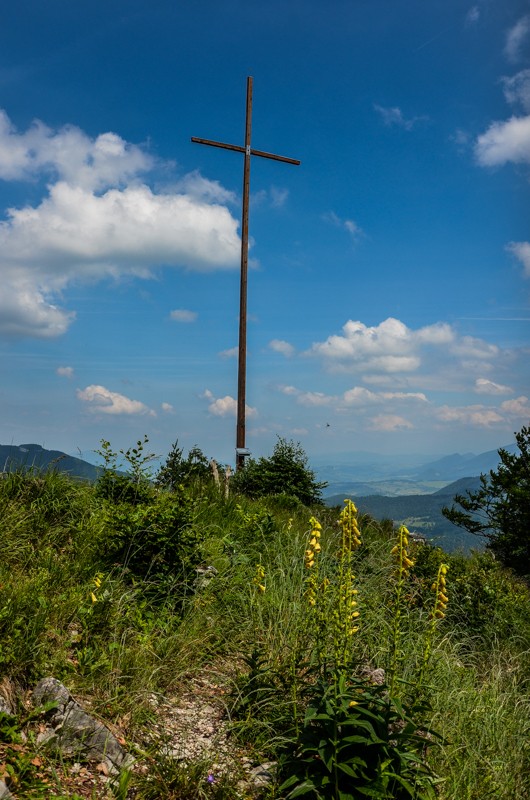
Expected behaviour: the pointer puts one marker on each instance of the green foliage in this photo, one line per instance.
(155, 539)
(500, 509)
(132, 487)
(357, 742)
(122, 638)
(285, 472)
(178, 470)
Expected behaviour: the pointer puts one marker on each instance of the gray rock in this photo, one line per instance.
(262, 775)
(7, 698)
(75, 733)
(5, 794)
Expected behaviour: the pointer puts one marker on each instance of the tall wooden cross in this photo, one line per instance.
(248, 151)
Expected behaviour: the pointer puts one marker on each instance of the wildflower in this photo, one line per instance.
(351, 536)
(211, 778)
(404, 562)
(440, 588)
(310, 560)
(438, 612)
(259, 578)
(353, 703)
(93, 597)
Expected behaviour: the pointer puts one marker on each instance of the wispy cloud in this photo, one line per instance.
(100, 400)
(348, 225)
(275, 197)
(183, 315)
(232, 352)
(65, 372)
(390, 422)
(515, 38)
(521, 250)
(473, 15)
(485, 386)
(280, 346)
(517, 89)
(393, 116)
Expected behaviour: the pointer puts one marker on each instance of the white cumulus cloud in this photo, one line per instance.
(389, 347)
(518, 407)
(97, 218)
(167, 408)
(474, 415)
(100, 400)
(505, 142)
(226, 406)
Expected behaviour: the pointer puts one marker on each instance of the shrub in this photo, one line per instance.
(286, 472)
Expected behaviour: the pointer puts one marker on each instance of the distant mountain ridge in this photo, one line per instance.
(421, 513)
(33, 456)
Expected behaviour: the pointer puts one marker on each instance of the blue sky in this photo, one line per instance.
(390, 272)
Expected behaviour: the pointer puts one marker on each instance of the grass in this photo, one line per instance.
(67, 609)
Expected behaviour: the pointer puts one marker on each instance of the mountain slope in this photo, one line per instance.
(421, 513)
(33, 456)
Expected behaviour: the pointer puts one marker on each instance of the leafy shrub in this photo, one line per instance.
(178, 470)
(156, 539)
(286, 472)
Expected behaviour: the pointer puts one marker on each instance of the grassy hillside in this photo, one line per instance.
(134, 597)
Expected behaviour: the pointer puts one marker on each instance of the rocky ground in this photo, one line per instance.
(189, 727)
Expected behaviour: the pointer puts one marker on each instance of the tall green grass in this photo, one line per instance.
(67, 611)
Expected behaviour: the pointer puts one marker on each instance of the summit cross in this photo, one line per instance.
(248, 151)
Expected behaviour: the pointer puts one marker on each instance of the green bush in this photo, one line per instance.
(285, 472)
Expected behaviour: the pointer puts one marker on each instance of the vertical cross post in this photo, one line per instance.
(248, 151)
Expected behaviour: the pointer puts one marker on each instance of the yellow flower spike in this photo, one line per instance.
(97, 581)
(317, 548)
(93, 597)
(261, 588)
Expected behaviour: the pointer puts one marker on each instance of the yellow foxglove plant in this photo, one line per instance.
(259, 578)
(403, 565)
(441, 600)
(345, 613)
(346, 745)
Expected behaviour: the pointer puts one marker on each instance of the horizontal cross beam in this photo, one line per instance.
(240, 149)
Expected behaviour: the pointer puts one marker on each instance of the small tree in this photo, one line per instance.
(286, 471)
(179, 470)
(500, 509)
